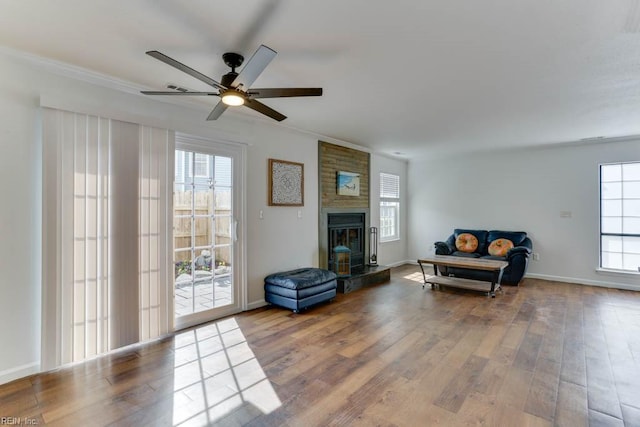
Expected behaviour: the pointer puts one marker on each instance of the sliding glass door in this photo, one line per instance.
(207, 258)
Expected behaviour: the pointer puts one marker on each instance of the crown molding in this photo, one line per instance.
(93, 77)
(67, 70)
(87, 76)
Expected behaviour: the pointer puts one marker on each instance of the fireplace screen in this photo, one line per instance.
(347, 229)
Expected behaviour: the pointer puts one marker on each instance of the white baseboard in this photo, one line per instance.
(602, 284)
(399, 263)
(9, 375)
(256, 304)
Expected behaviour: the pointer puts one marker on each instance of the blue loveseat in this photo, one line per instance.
(517, 257)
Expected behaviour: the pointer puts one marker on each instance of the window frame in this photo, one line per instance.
(386, 202)
(622, 234)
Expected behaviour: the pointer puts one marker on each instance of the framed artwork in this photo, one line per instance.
(286, 183)
(348, 184)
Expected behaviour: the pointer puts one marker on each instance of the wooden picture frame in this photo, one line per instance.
(286, 183)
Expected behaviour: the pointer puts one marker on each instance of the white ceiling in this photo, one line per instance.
(398, 77)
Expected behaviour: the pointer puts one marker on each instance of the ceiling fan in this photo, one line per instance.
(234, 88)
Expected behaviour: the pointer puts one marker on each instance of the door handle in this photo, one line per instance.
(235, 230)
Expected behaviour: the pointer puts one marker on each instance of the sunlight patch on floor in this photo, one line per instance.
(218, 378)
(415, 277)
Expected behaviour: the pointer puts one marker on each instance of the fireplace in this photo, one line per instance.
(346, 229)
(345, 220)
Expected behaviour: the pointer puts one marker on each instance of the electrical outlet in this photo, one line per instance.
(536, 256)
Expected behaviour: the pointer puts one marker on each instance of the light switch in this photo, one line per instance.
(261, 214)
(299, 214)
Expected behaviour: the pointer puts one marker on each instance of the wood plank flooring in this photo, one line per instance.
(541, 354)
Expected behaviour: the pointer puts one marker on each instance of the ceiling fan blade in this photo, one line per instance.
(261, 108)
(254, 67)
(284, 92)
(259, 21)
(217, 111)
(176, 92)
(180, 66)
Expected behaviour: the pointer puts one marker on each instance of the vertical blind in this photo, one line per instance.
(106, 235)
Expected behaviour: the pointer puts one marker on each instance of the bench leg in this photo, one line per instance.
(497, 278)
(424, 275)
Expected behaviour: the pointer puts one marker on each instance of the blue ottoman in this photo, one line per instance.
(298, 289)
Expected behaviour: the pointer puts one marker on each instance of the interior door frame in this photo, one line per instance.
(238, 152)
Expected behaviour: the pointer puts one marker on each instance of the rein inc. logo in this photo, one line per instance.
(18, 421)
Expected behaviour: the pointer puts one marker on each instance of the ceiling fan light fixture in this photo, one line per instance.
(232, 98)
(235, 89)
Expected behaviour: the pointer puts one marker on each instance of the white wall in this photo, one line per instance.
(521, 190)
(20, 225)
(394, 252)
(280, 241)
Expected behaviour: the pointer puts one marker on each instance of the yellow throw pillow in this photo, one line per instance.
(500, 247)
(466, 242)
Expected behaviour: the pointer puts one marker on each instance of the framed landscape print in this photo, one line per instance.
(286, 183)
(348, 184)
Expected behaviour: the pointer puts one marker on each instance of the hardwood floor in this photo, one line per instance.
(542, 354)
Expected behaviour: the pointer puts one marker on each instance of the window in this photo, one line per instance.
(201, 167)
(620, 216)
(389, 207)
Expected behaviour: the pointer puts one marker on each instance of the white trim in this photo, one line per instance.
(618, 273)
(622, 216)
(124, 86)
(395, 239)
(204, 317)
(393, 201)
(72, 71)
(257, 304)
(396, 229)
(399, 263)
(578, 281)
(21, 371)
(238, 152)
(200, 141)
